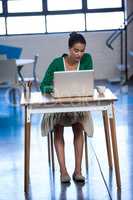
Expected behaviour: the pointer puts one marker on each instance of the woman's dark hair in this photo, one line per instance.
(75, 38)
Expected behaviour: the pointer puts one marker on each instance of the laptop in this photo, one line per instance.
(73, 83)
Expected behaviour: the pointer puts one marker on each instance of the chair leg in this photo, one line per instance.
(51, 151)
(86, 151)
(12, 95)
(48, 142)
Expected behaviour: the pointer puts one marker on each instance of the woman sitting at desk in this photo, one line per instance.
(77, 59)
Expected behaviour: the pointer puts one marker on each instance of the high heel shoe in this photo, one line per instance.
(65, 179)
(78, 178)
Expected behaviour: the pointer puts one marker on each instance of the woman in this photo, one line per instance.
(77, 59)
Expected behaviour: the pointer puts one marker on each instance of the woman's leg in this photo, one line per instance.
(78, 146)
(59, 147)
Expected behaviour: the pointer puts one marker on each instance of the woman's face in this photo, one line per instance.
(77, 51)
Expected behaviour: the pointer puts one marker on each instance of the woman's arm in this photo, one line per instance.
(46, 85)
(86, 62)
(47, 82)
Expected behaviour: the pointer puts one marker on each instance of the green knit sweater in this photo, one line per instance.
(58, 65)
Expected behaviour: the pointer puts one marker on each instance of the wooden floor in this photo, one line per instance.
(100, 183)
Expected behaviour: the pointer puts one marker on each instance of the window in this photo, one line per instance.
(92, 4)
(26, 24)
(65, 23)
(64, 4)
(15, 6)
(49, 16)
(2, 26)
(1, 10)
(99, 21)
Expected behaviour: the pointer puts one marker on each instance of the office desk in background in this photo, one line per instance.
(20, 64)
(38, 103)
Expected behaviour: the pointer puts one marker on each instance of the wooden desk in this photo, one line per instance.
(20, 64)
(37, 103)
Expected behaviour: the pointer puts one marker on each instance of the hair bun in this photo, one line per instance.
(75, 38)
(72, 34)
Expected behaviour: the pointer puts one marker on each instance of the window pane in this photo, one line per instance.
(64, 4)
(104, 3)
(2, 26)
(24, 6)
(1, 10)
(30, 24)
(65, 23)
(101, 21)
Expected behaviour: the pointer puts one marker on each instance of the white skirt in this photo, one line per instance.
(67, 119)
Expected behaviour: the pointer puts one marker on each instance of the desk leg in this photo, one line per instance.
(19, 72)
(114, 147)
(27, 152)
(107, 137)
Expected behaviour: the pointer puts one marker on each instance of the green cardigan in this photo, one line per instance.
(58, 65)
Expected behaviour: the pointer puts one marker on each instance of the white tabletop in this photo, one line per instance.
(38, 99)
(20, 62)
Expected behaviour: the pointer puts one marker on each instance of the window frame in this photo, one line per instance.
(84, 10)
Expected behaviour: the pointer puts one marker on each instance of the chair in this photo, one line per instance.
(33, 79)
(34, 67)
(107, 139)
(8, 71)
(3, 57)
(8, 77)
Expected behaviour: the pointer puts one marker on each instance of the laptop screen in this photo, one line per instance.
(74, 83)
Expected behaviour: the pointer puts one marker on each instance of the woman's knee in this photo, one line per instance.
(77, 128)
(58, 132)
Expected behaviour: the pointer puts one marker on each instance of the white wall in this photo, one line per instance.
(50, 46)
